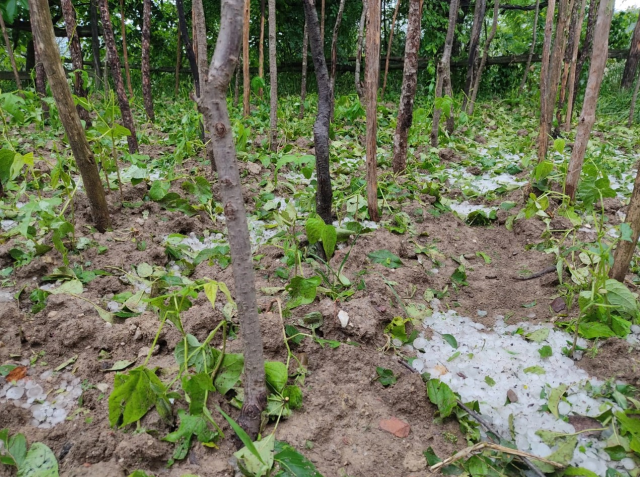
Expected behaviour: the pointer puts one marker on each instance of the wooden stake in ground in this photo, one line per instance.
(624, 250)
(261, 48)
(303, 82)
(44, 38)
(363, 18)
(574, 43)
(188, 47)
(585, 51)
(444, 70)
(246, 79)
(124, 48)
(386, 63)
(532, 48)
(334, 54)
(371, 79)
(146, 61)
(631, 65)
(7, 45)
(632, 107)
(409, 86)
(178, 63)
(487, 45)
(213, 104)
(324, 194)
(273, 79)
(474, 42)
(95, 42)
(588, 115)
(41, 82)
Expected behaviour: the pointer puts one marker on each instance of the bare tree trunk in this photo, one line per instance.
(585, 51)
(261, 47)
(409, 86)
(476, 29)
(632, 107)
(213, 104)
(146, 59)
(246, 79)
(124, 48)
(7, 44)
(303, 82)
(95, 38)
(41, 82)
(574, 43)
(363, 18)
(178, 63)
(631, 65)
(114, 66)
(322, 22)
(588, 115)
(42, 27)
(334, 55)
(444, 69)
(487, 45)
(273, 78)
(624, 250)
(386, 64)
(544, 75)
(533, 47)
(188, 47)
(76, 56)
(372, 77)
(324, 193)
(236, 90)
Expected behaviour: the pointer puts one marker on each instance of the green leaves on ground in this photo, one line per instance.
(442, 396)
(189, 427)
(302, 291)
(554, 399)
(385, 376)
(292, 463)
(386, 258)
(133, 395)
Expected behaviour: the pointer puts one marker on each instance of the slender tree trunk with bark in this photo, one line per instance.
(386, 64)
(631, 65)
(246, 79)
(178, 63)
(574, 43)
(76, 56)
(114, 66)
(334, 54)
(236, 89)
(487, 45)
(41, 83)
(533, 47)
(273, 78)
(324, 193)
(12, 59)
(146, 60)
(213, 104)
(625, 250)
(588, 115)
(44, 38)
(443, 81)
(363, 18)
(409, 86)
(472, 60)
(632, 107)
(585, 51)
(303, 82)
(371, 81)
(261, 48)
(322, 22)
(544, 72)
(95, 38)
(124, 48)
(188, 47)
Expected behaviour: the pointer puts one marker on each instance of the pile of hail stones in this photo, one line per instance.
(502, 356)
(49, 396)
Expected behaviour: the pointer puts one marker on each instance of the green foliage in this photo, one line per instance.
(36, 461)
(386, 258)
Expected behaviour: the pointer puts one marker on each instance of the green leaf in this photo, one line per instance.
(619, 296)
(120, 365)
(302, 291)
(6, 161)
(329, 240)
(197, 386)
(292, 463)
(144, 270)
(579, 471)
(554, 399)
(620, 326)
(242, 435)
(534, 370)
(545, 351)
(386, 258)
(198, 355)
(594, 330)
(255, 466)
(314, 227)
(616, 452)
(294, 396)
(72, 287)
(542, 170)
(628, 423)
(489, 380)
(229, 373)
(432, 458)
(459, 276)
(14, 448)
(626, 233)
(539, 335)
(441, 395)
(559, 144)
(39, 462)
(159, 190)
(189, 426)
(276, 374)
(133, 395)
(451, 340)
(477, 466)
(385, 376)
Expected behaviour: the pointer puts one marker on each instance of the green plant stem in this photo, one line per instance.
(155, 340)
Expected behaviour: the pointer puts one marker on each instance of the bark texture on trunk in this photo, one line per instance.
(246, 79)
(146, 60)
(124, 48)
(487, 45)
(625, 250)
(545, 63)
(632, 107)
(324, 194)
(585, 51)
(363, 18)
(474, 42)
(371, 80)
(631, 65)
(213, 104)
(273, 78)
(76, 56)
(114, 66)
(574, 43)
(41, 82)
(95, 38)
(334, 54)
(386, 64)
(178, 63)
(261, 48)
(12, 59)
(533, 47)
(322, 22)
(44, 38)
(588, 115)
(188, 47)
(303, 82)
(409, 86)
(443, 82)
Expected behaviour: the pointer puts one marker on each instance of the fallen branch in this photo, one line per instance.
(539, 274)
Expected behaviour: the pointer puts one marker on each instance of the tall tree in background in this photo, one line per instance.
(409, 86)
(572, 56)
(324, 194)
(386, 63)
(273, 78)
(178, 63)
(632, 106)
(95, 38)
(599, 58)
(544, 75)
(485, 55)
(443, 82)
(69, 15)
(322, 22)
(631, 65)
(532, 48)
(585, 52)
(200, 30)
(114, 66)
(42, 28)
(371, 80)
(246, 79)
(41, 82)
(146, 61)
(303, 82)
(474, 42)
(363, 19)
(261, 48)
(12, 59)
(213, 104)
(334, 54)
(626, 248)
(125, 55)
(188, 47)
